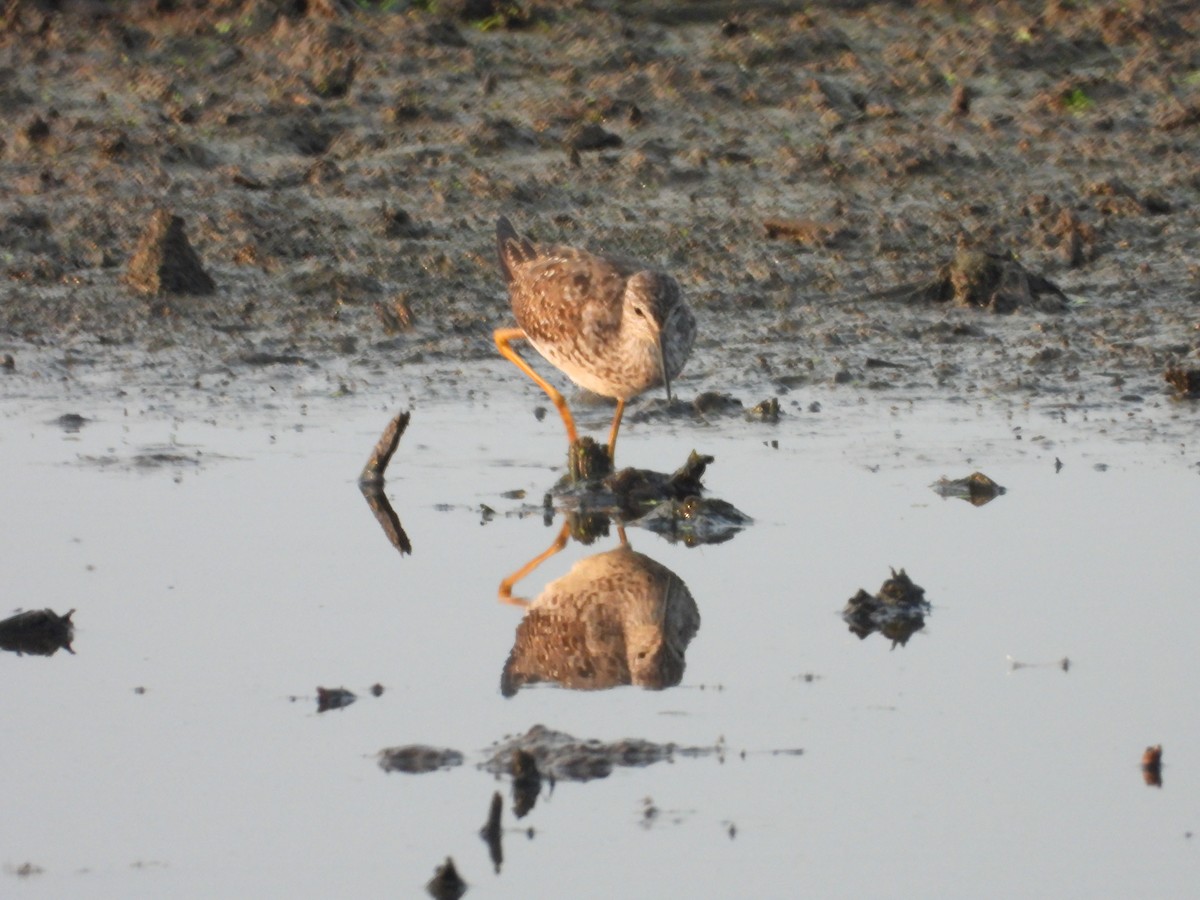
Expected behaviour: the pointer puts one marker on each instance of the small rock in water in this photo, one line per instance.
(897, 611)
(71, 422)
(1152, 765)
(446, 883)
(333, 698)
(976, 488)
(38, 632)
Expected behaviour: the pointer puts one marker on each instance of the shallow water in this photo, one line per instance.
(238, 577)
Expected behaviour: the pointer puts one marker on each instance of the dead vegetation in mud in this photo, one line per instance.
(336, 168)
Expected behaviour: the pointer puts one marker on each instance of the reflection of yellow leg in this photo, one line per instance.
(502, 336)
(612, 432)
(506, 586)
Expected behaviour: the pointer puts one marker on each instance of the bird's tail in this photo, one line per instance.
(511, 247)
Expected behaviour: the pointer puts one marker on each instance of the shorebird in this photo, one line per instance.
(614, 326)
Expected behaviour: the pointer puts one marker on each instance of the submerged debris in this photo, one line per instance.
(38, 632)
(631, 495)
(527, 782)
(418, 759)
(446, 883)
(989, 281)
(1015, 664)
(695, 520)
(333, 698)
(565, 758)
(897, 612)
(976, 488)
(491, 832)
(1152, 766)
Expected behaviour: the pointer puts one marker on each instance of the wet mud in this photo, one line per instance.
(200, 190)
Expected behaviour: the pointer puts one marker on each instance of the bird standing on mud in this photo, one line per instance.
(612, 325)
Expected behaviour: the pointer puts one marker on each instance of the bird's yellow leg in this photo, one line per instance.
(612, 432)
(506, 586)
(621, 535)
(502, 337)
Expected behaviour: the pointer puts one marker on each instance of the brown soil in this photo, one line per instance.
(339, 167)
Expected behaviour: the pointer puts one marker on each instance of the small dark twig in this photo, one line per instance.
(370, 482)
(491, 831)
(372, 473)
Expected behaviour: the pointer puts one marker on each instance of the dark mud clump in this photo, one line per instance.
(672, 505)
(72, 423)
(418, 759)
(990, 281)
(164, 261)
(638, 490)
(897, 611)
(1185, 381)
(38, 632)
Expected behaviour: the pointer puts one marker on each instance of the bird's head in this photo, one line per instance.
(651, 301)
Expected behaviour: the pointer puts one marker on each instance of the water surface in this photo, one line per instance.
(179, 752)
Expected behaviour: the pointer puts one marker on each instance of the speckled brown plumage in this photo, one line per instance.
(614, 326)
(616, 618)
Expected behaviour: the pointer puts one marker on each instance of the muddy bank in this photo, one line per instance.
(338, 170)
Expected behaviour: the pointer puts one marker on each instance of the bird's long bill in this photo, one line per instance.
(662, 364)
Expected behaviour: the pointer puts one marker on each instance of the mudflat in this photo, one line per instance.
(260, 184)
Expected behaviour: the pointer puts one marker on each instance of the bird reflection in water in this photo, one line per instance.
(615, 618)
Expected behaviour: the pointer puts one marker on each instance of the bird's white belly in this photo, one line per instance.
(622, 376)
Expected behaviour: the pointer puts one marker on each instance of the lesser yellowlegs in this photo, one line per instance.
(614, 326)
